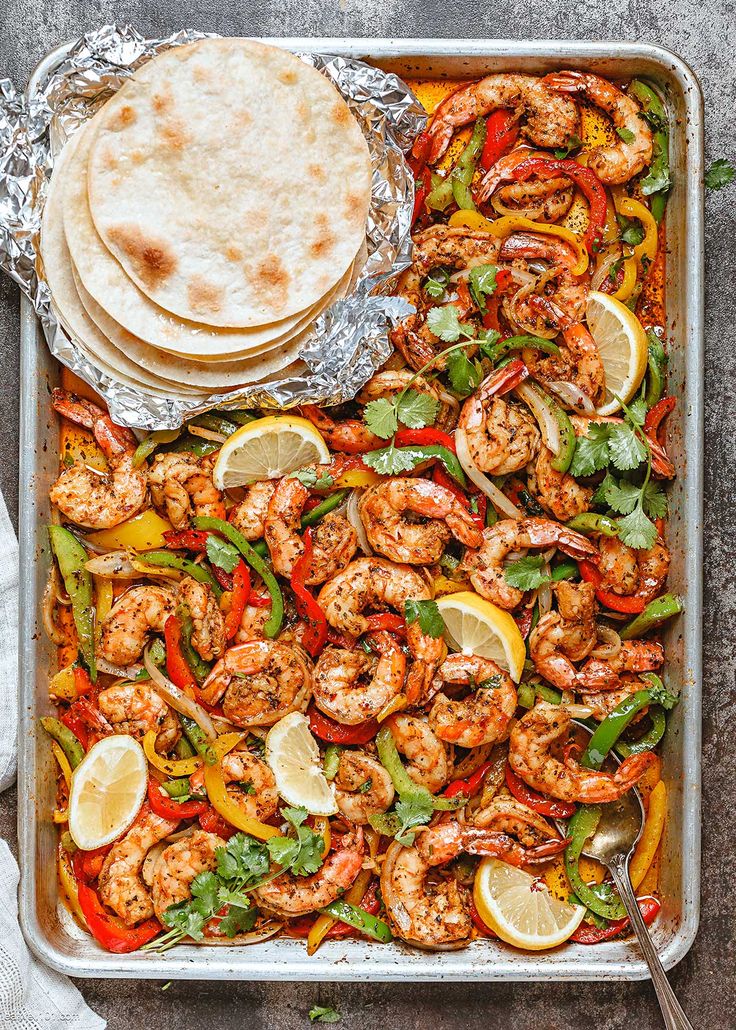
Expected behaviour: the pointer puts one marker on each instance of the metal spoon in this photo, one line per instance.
(612, 844)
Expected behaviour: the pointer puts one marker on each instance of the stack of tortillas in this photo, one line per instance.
(197, 225)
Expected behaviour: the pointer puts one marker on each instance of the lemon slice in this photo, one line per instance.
(520, 908)
(293, 755)
(623, 347)
(107, 791)
(268, 448)
(475, 626)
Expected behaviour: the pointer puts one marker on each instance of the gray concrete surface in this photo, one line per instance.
(699, 31)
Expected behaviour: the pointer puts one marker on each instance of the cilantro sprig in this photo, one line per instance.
(221, 553)
(526, 573)
(720, 173)
(427, 614)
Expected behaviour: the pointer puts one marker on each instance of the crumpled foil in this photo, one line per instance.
(348, 341)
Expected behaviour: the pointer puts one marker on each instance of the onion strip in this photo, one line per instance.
(498, 499)
(353, 516)
(548, 424)
(178, 700)
(206, 434)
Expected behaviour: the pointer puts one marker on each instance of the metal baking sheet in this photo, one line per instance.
(48, 928)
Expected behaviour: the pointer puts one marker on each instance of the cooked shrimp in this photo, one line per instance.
(382, 511)
(261, 680)
(618, 162)
(502, 437)
(334, 541)
(181, 486)
(347, 436)
(559, 493)
(377, 581)
(634, 656)
(250, 783)
(208, 623)
(289, 895)
(435, 915)
(425, 753)
(352, 686)
(549, 120)
(578, 361)
(546, 200)
(536, 755)
(570, 292)
(364, 788)
(135, 708)
(249, 515)
(252, 621)
(626, 571)
(485, 715)
(487, 564)
(565, 636)
(120, 884)
(451, 246)
(603, 702)
(179, 864)
(98, 500)
(507, 815)
(140, 612)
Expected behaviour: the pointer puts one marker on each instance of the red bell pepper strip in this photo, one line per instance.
(631, 604)
(469, 786)
(417, 161)
(478, 923)
(422, 437)
(537, 802)
(166, 807)
(440, 476)
(82, 717)
(76, 724)
(306, 604)
(187, 540)
(239, 599)
(176, 664)
(88, 864)
(524, 618)
(420, 152)
(224, 579)
(586, 181)
(502, 131)
(211, 821)
(110, 933)
(586, 933)
(340, 639)
(336, 733)
(259, 601)
(506, 378)
(387, 621)
(504, 280)
(82, 683)
(656, 416)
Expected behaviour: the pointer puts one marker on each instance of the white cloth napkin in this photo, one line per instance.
(32, 997)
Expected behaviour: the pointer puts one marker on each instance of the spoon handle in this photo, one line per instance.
(674, 1017)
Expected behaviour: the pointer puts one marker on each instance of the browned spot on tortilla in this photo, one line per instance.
(152, 259)
(326, 239)
(233, 253)
(341, 114)
(317, 172)
(123, 117)
(242, 118)
(355, 208)
(172, 133)
(204, 298)
(302, 110)
(137, 156)
(270, 280)
(288, 77)
(161, 101)
(200, 74)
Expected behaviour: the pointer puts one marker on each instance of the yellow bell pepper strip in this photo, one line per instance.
(396, 704)
(68, 742)
(61, 685)
(68, 883)
(226, 807)
(635, 209)
(178, 767)
(651, 835)
(628, 283)
(72, 558)
(141, 533)
(66, 769)
(103, 603)
(322, 827)
(508, 224)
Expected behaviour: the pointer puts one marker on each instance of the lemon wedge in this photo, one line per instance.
(108, 788)
(268, 448)
(475, 626)
(293, 755)
(520, 908)
(623, 347)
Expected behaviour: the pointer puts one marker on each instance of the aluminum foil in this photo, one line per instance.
(349, 340)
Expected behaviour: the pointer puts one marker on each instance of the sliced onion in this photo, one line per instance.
(548, 425)
(604, 266)
(206, 434)
(353, 516)
(579, 711)
(178, 700)
(113, 565)
(522, 276)
(609, 643)
(544, 595)
(120, 671)
(48, 609)
(498, 499)
(253, 937)
(572, 397)
(149, 862)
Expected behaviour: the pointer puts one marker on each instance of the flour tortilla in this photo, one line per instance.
(231, 182)
(105, 280)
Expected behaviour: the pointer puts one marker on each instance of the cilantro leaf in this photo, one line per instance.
(416, 410)
(381, 418)
(487, 340)
(636, 412)
(414, 810)
(226, 896)
(427, 614)
(625, 134)
(303, 855)
(591, 451)
(659, 693)
(526, 573)
(492, 682)
(631, 231)
(482, 283)
(608, 483)
(185, 920)
(243, 859)
(222, 554)
(720, 173)
(308, 477)
(658, 179)
(283, 850)
(323, 1014)
(635, 530)
(390, 461)
(464, 374)
(654, 501)
(295, 816)
(436, 282)
(573, 144)
(625, 448)
(238, 920)
(445, 323)
(622, 497)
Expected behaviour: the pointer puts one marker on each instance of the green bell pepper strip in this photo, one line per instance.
(183, 749)
(240, 415)
(170, 560)
(657, 366)
(440, 196)
(147, 446)
(565, 570)
(331, 761)
(655, 613)
(591, 522)
(215, 423)
(599, 898)
(607, 732)
(402, 781)
(462, 174)
(562, 461)
(72, 558)
(256, 562)
(177, 788)
(324, 507)
(194, 444)
(195, 736)
(66, 740)
(200, 668)
(369, 925)
(500, 350)
(650, 739)
(525, 695)
(548, 694)
(656, 184)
